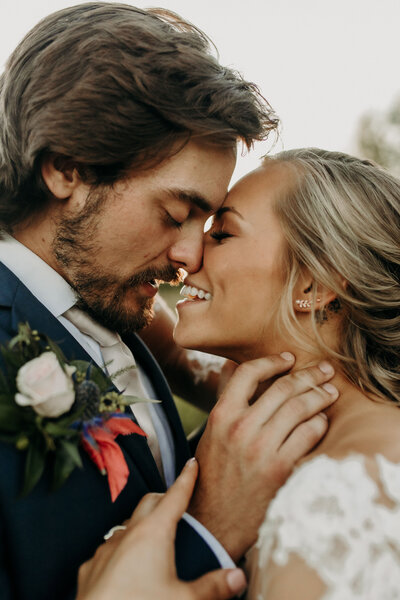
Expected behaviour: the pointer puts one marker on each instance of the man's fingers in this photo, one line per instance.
(303, 439)
(219, 585)
(226, 373)
(247, 376)
(296, 411)
(289, 387)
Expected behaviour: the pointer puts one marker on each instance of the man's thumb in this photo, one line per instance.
(219, 585)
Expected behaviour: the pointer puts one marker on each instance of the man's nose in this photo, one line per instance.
(187, 253)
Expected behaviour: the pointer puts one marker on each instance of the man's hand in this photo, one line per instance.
(139, 562)
(248, 450)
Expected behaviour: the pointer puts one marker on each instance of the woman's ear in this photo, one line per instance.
(60, 175)
(307, 293)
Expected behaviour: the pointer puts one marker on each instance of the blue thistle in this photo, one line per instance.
(88, 395)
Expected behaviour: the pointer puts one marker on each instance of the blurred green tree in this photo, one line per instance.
(379, 137)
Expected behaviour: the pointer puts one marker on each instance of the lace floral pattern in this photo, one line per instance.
(342, 523)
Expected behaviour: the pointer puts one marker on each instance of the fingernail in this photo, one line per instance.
(332, 391)
(236, 581)
(287, 356)
(326, 367)
(323, 415)
(191, 461)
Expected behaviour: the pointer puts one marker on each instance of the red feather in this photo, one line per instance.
(109, 457)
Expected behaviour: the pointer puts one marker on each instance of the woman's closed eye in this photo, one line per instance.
(220, 235)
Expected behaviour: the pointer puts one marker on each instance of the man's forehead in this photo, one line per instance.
(197, 199)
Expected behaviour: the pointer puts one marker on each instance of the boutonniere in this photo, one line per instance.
(49, 407)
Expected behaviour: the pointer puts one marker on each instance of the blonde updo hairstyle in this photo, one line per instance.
(341, 219)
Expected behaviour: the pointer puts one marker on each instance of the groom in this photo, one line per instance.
(118, 131)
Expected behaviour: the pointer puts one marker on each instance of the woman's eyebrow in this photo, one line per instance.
(227, 209)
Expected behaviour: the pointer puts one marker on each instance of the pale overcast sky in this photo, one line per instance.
(320, 63)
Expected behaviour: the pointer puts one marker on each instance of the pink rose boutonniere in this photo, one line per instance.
(51, 406)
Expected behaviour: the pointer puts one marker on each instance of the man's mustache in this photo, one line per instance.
(167, 274)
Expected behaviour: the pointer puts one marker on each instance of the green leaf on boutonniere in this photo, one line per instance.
(8, 439)
(7, 399)
(34, 465)
(66, 459)
(71, 417)
(128, 400)
(11, 418)
(4, 385)
(73, 452)
(12, 359)
(57, 351)
(56, 430)
(85, 370)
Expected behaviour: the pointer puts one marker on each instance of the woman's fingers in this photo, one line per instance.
(145, 507)
(219, 585)
(175, 501)
(166, 508)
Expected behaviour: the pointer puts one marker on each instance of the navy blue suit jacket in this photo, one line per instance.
(45, 536)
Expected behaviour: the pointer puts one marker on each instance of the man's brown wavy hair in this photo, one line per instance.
(110, 88)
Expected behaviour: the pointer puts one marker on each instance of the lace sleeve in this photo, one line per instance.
(334, 528)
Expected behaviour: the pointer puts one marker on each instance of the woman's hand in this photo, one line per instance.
(138, 563)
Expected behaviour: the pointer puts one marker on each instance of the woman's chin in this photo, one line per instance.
(189, 342)
(192, 341)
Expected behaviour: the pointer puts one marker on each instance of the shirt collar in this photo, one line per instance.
(41, 280)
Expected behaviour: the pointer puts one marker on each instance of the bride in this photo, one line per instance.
(305, 256)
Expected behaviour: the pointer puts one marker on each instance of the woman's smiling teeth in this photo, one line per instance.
(193, 293)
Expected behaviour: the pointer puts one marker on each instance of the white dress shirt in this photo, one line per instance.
(55, 293)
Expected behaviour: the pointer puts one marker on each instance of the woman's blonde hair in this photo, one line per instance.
(341, 218)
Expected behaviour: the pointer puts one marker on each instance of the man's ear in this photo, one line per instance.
(60, 175)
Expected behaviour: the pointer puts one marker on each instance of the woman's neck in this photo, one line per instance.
(346, 414)
(358, 422)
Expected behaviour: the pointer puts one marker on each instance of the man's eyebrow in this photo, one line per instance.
(191, 198)
(225, 209)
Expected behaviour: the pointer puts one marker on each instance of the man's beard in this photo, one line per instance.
(99, 294)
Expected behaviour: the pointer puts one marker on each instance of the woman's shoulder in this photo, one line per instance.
(341, 486)
(339, 518)
(336, 521)
(362, 461)
(342, 480)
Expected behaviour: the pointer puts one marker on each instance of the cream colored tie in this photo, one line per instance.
(117, 356)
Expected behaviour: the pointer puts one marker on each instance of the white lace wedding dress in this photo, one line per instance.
(340, 520)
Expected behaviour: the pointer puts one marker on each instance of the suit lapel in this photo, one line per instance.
(144, 357)
(27, 308)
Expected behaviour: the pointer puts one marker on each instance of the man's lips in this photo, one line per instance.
(150, 288)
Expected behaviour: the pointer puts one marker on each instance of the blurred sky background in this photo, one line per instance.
(321, 64)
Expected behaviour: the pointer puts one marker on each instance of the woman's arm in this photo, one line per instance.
(293, 581)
